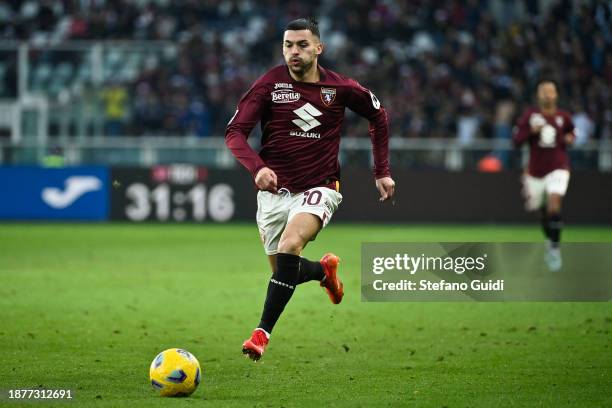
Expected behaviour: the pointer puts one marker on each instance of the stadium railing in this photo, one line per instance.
(421, 153)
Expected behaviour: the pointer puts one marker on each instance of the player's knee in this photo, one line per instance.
(290, 245)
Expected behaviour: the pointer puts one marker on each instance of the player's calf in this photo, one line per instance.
(309, 271)
(280, 289)
(554, 229)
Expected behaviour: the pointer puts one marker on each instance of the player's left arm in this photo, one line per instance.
(569, 134)
(363, 102)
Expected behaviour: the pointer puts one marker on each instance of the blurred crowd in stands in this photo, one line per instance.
(442, 68)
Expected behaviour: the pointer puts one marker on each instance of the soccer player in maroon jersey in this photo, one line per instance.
(300, 106)
(548, 131)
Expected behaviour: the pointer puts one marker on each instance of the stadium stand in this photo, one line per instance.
(443, 68)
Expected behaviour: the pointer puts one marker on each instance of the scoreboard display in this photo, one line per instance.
(179, 193)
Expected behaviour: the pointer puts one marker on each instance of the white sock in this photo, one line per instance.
(265, 332)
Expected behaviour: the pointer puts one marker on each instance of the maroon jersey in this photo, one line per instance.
(301, 125)
(547, 148)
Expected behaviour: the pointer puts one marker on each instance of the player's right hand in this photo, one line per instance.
(536, 123)
(535, 129)
(266, 180)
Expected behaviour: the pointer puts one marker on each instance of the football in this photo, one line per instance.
(175, 373)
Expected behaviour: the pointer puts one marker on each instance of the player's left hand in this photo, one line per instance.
(386, 188)
(570, 138)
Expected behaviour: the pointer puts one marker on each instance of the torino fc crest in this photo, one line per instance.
(328, 95)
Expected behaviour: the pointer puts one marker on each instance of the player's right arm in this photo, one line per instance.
(249, 111)
(522, 130)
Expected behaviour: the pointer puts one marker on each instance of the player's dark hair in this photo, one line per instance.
(311, 24)
(545, 80)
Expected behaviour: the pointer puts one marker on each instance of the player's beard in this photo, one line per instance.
(302, 68)
(548, 104)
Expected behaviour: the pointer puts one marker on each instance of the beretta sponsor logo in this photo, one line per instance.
(285, 96)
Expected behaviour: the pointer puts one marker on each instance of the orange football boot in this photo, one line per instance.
(254, 347)
(333, 286)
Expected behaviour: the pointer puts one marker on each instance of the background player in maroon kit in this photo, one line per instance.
(548, 131)
(301, 109)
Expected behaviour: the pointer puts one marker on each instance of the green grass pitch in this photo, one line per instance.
(87, 307)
